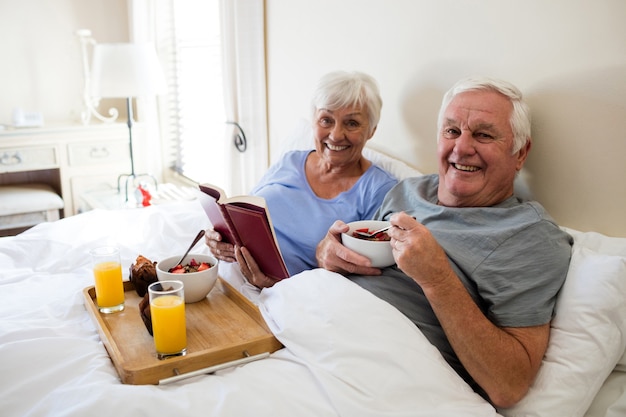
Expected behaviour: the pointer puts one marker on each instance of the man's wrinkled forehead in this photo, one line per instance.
(482, 107)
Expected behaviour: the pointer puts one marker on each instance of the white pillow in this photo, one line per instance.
(608, 245)
(588, 334)
(395, 167)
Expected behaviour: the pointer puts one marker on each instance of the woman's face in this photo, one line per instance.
(476, 164)
(341, 134)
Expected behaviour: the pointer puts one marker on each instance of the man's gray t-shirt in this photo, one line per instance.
(512, 258)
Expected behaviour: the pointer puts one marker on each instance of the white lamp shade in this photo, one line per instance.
(126, 70)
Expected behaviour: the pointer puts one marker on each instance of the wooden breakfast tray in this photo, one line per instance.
(223, 328)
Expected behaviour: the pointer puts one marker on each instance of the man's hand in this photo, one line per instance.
(416, 251)
(251, 270)
(221, 250)
(333, 256)
(503, 361)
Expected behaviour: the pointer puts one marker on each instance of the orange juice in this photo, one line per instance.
(109, 285)
(168, 324)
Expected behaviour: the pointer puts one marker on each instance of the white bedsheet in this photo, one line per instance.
(347, 353)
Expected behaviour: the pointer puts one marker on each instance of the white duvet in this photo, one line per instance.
(346, 352)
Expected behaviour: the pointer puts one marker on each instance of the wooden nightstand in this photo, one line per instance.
(72, 159)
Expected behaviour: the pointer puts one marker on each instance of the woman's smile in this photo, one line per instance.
(336, 147)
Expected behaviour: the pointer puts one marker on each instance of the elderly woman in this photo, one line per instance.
(307, 190)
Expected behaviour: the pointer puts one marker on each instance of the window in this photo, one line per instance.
(213, 53)
(193, 120)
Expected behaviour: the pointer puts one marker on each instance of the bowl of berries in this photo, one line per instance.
(376, 247)
(198, 272)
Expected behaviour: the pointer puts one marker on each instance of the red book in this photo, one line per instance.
(245, 221)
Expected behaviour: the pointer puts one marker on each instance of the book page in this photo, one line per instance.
(217, 217)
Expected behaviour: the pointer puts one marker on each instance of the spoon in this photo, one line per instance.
(196, 240)
(374, 233)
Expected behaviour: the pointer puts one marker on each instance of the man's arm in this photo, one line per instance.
(503, 361)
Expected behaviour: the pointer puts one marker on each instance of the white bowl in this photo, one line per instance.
(379, 252)
(197, 285)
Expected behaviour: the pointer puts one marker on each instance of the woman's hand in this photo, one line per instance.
(332, 255)
(221, 250)
(251, 270)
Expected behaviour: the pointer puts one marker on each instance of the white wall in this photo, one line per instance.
(41, 66)
(569, 57)
(40, 61)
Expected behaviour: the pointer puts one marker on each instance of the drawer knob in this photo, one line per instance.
(99, 152)
(14, 159)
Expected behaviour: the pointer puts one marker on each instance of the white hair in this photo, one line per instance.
(520, 116)
(342, 89)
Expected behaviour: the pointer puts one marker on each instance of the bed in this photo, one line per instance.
(346, 353)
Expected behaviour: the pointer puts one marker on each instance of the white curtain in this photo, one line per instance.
(243, 45)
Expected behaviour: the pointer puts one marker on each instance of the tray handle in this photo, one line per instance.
(214, 368)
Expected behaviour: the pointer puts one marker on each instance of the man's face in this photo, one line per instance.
(476, 164)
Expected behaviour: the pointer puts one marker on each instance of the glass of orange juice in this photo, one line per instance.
(107, 271)
(167, 308)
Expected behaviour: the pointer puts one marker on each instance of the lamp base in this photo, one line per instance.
(130, 179)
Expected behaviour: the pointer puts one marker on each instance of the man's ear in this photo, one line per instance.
(522, 154)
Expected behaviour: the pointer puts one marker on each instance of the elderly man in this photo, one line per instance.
(477, 269)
